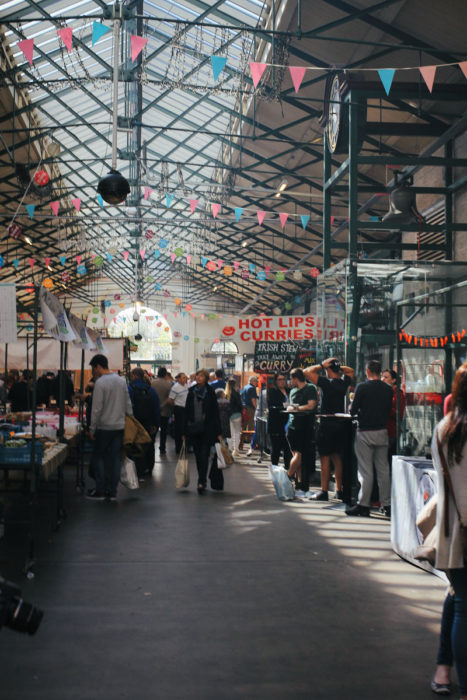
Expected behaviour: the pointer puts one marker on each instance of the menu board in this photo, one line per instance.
(280, 356)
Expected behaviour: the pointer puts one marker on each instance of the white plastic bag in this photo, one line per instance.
(284, 488)
(128, 475)
(182, 470)
(220, 457)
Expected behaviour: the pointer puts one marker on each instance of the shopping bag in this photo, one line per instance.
(128, 475)
(221, 464)
(216, 475)
(284, 488)
(226, 453)
(182, 470)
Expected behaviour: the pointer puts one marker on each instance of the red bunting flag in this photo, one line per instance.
(55, 207)
(137, 45)
(257, 70)
(193, 204)
(215, 209)
(463, 67)
(66, 35)
(27, 47)
(428, 75)
(297, 73)
(283, 218)
(260, 215)
(76, 203)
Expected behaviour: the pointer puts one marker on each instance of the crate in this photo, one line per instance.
(21, 455)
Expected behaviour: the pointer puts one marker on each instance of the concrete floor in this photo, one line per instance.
(169, 595)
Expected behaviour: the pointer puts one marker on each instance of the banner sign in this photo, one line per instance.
(7, 313)
(277, 328)
(281, 356)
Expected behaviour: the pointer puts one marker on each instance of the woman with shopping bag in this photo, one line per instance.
(203, 425)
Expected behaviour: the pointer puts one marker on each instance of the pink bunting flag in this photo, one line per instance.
(193, 204)
(27, 47)
(188, 259)
(215, 209)
(93, 255)
(428, 75)
(463, 67)
(142, 252)
(78, 259)
(297, 73)
(137, 45)
(76, 203)
(166, 316)
(257, 70)
(267, 269)
(147, 192)
(260, 215)
(66, 35)
(125, 254)
(332, 220)
(32, 261)
(172, 257)
(175, 314)
(220, 263)
(47, 261)
(236, 265)
(55, 207)
(283, 218)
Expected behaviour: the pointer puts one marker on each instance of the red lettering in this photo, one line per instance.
(309, 321)
(244, 336)
(268, 335)
(267, 322)
(308, 333)
(257, 335)
(282, 323)
(298, 321)
(256, 323)
(280, 335)
(298, 334)
(243, 323)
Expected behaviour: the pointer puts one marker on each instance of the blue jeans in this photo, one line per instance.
(107, 458)
(444, 657)
(459, 628)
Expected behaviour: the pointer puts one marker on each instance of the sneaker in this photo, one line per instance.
(300, 494)
(339, 495)
(385, 510)
(249, 453)
(235, 454)
(94, 495)
(320, 496)
(112, 498)
(357, 509)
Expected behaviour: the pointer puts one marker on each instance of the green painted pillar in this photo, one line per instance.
(353, 296)
(326, 207)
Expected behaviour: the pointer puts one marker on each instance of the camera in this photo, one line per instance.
(15, 612)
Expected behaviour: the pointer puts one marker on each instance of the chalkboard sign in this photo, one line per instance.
(280, 356)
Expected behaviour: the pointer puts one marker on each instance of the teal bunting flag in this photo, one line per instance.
(30, 209)
(238, 213)
(218, 65)
(305, 219)
(157, 253)
(16, 263)
(98, 31)
(252, 268)
(204, 261)
(109, 257)
(387, 76)
(169, 198)
(100, 200)
(62, 259)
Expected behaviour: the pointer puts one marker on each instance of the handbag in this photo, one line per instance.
(182, 470)
(285, 490)
(426, 523)
(449, 487)
(128, 475)
(216, 476)
(228, 459)
(224, 458)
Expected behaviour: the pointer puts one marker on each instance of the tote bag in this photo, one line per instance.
(182, 470)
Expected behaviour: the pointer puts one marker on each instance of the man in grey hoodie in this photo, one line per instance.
(110, 404)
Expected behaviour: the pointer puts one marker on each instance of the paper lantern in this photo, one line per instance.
(196, 340)
(188, 307)
(159, 324)
(98, 261)
(149, 234)
(178, 252)
(217, 340)
(280, 276)
(163, 243)
(211, 265)
(228, 271)
(177, 334)
(117, 297)
(314, 272)
(94, 320)
(212, 316)
(166, 329)
(276, 311)
(81, 269)
(186, 337)
(112, 311)
(297, 275)
(15, 231)
(41, 178)
(166, 293)
(261, 275)
(245, 275)
(121, 305)
(107, 302)
(177, 301)
(66, 277)
(48, 283)
(30, 288)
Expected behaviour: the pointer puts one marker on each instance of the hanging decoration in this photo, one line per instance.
(41, 178)
(15, 231)
(432, 341)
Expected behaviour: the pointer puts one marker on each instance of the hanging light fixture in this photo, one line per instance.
(402, 205)
(113, 187)
(282, 186)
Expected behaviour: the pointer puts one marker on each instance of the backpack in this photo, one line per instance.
(143, 407)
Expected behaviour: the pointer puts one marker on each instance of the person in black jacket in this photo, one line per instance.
(278, 400)
(235, 402)
(203, 424)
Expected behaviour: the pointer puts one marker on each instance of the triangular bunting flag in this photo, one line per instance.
(16, 263)
(76, 203)
(305, 219)
(147, 192)
(172, 257)
(386, 75)
(463, 67)
(283, 217)
(332, 220)
(27, 47)
(220, 263)
(238, 213)
(66, 35)
(236, 265)
(100, 200)
(297, 73)
(142, 252)
(169, 198)
(252, 267)
(55, 207)
(137, 45)
(47, 261)
(30, 209)
(125, 255)
(267, 269)
(203, 262)
(193, 204)
(215, 209)
(78, 259)
(428, 75)
(218, 65)
(98, 30)
(93, 255)
(109, 257)
(257, 70)
(260, 215)
(157, 253)
(32, 261)
(62, 259)
(188, 259)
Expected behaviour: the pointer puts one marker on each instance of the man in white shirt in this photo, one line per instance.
(177, 399)
(110, 404)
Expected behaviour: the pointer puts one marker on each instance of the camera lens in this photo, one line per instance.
(25, 618)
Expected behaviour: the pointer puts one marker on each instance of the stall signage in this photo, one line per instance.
(280, 356)
(276, 328)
